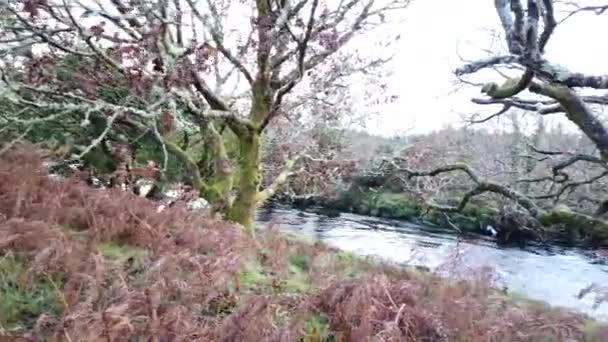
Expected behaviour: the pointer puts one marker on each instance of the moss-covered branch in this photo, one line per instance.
(481, 187)
(594, 228)
(511, 87)
(270, 190)
(188, 162)
(578, 112)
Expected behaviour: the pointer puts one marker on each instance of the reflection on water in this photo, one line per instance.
(554, 275)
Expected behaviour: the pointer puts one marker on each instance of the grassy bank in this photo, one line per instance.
(78, 264)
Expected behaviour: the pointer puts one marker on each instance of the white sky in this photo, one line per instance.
(435, 32)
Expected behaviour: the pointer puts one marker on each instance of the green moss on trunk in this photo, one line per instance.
(220, 185)
(243, 208)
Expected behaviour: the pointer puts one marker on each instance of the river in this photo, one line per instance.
(551, 274)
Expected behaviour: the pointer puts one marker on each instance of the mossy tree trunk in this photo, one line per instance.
(243, 208)
(219, 187)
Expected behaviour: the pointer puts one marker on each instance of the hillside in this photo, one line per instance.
(81, 264)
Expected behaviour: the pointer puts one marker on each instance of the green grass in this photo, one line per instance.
(121, 252)
(317, 329)
(299, 261)
(130, 258)
(23, 299)
(252, 276)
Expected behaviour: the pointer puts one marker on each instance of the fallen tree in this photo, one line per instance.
(542, 221)
(526, 31)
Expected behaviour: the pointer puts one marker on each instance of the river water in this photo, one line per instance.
(552, 274)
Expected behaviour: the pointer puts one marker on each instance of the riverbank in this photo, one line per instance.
(78, 263)
(474, 219)
(560, 226)
(550, 273)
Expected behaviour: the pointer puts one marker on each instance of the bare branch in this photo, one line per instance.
(212, 99)
(443, 169)
(85, 104)
(219, 41)
(238, 124)
(542, 107)
(88, 40)
(95, 142)
(12, 143)
(271, 189)
(545, 152)
(45, 38)
(598, 10)
(571, 186)
(504, 109)
(533, 106)
(512, 32)
(485, 63)
(481, 186)
(517, 33)
(576, 158)
(549, 24)
(531, 51)
(124, 10)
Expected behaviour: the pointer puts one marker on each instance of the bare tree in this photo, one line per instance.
(544, 88)
(176, 62)
(526, 37)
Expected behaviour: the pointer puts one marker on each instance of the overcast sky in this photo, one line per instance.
(436, 32)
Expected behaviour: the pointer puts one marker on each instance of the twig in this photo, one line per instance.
(14, 141)
(101, 136)
(447, 218)
(399, 313)
(160, 139)
(389, 295)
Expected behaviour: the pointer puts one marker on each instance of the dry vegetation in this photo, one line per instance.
(80, 264)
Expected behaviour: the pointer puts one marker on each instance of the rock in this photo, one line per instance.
(196, 204)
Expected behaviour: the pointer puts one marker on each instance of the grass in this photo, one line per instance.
(23, 298)
(114, 251)
(252, 276)
(132, 273)
(318, 329)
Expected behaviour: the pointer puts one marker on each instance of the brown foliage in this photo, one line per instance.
(58, 225)
(176, 277)
(409, 310)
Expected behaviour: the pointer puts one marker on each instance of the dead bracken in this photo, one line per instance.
(84, 264)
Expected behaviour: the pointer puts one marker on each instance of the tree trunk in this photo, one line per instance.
(244, 205)
(243, 208)
(219, 186)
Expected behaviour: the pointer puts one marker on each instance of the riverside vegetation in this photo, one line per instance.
(79, 263)
(425, 179)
